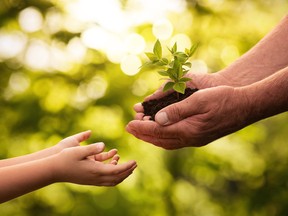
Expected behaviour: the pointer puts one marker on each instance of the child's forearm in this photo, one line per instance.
(24, 178)
(29, 157)
(265, 58)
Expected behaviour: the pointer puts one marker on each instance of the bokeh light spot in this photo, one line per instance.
(199, 66)
(19, 82)
(162, 29)
(11, 43)
(130, 65)
(183, 41)
(76, 49)
(96, 88)
(135, 44)
(229, 54)
(96, 38)
(37, 55)
(30, 19)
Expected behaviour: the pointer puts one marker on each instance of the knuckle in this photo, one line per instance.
(157, 131)
(176, 112)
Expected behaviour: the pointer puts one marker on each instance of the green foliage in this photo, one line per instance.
(175, 68)
(244, 174)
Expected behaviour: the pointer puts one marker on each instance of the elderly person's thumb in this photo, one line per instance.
(176, 112)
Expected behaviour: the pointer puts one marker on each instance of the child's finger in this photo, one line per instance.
(114, 162)
(116, 177)
(105, 155)
(89, 150)
(108, 170)
(83, 136)
(80, 137)
(115, 159)
(75, 139)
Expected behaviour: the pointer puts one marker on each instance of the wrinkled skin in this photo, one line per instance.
(207, 115)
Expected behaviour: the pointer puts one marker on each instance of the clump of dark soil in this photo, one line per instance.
(151, 107)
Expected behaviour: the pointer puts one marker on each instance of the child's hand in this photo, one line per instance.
(107, 155)
(85, 164)
(73, 140)
(76, 139)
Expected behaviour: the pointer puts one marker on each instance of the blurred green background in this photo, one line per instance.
(68, 66)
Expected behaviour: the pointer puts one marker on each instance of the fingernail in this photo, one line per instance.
(100, 145)
(162, 118)
(138, 107)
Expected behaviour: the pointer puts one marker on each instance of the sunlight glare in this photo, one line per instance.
(147, 11)
(11, 43)
(19, 82)
(162, 29)
(96, 88)
(76, 50)
(115, 53)
(59, 60)
(107, 14)
(30, 19)
(53, 21)
(106, 25)
(37, 55)
(183, 41)
(135, 44)
(199, 66)
(130, 65)
(229, 54)
(96, 38)
(139, 87)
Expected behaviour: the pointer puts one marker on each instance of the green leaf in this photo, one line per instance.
(151, 56)
(185, 71)
(163, 73)
(176, 64)
(165, 61)
(180, 87)
(157, 49)
(171, 64)
(188, 64)
(168, 86)
(171, 74)
(182, 57)
(185, 79)
(193, 49)
(174, 71)
(175, 68)
(174, 48)
(180, 72)
(146, 64)
(160, 63)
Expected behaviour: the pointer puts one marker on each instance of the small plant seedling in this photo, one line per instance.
(175, 68)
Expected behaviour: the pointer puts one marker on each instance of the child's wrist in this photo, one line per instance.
(53, 168)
